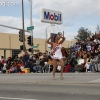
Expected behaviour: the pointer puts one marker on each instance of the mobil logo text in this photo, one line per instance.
(52, 16)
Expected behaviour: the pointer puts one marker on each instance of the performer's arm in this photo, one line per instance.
(63, 39)
(48, 41)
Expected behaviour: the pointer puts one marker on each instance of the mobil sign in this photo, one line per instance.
(51, 16)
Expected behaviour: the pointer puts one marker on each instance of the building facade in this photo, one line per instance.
(10, 44)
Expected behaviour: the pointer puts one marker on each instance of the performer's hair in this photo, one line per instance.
(54, 38)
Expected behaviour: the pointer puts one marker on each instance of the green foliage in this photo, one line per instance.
(98, 29)
(83, 33)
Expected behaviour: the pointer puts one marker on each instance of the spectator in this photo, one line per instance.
(25, 57)
(2, 60)
(1, 66)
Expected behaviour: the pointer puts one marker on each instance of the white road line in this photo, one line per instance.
(95, 81)
(8, 98)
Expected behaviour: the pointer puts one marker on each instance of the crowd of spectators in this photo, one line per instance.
(83, 56)
(35, 62)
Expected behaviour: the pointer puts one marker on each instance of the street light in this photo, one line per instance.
(67, 44)
(58, 29)
(46, 36)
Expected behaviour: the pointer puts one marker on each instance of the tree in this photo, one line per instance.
(98, 29)
(83, 33)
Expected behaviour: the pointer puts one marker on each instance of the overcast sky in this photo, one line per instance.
(76, 14)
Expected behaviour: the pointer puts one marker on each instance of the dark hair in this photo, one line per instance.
(2, 57)
(54, 38)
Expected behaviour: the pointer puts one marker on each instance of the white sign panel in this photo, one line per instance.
(51, 16)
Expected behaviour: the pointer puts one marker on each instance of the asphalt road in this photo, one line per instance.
(40, 86)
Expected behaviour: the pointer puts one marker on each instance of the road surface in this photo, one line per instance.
(40, 86)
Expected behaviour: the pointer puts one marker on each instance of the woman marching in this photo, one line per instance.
(56, 53)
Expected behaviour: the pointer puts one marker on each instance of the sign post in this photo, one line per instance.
(51, 16)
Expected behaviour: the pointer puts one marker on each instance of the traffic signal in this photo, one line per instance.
(21, 47)
(21, 35)
(30, 49)
(29, 39)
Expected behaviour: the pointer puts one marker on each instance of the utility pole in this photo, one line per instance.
(24, 48)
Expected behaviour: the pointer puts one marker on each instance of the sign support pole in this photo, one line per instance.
(52, 29)
(31, 31)
(24, 48)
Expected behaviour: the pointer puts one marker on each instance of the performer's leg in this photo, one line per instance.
(62, 67)
(54, 67)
